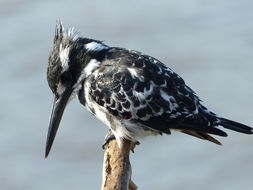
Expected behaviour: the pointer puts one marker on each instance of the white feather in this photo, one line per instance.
(165, 96)
(64, 57)
(169, 99)
(94, 46)
(150, 91)
(60, 88)
(91, 66)
(133, 72)
(135, 131)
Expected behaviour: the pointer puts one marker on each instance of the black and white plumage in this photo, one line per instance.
(134, 94)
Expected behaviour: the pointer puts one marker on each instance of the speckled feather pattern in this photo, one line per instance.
(140, 90)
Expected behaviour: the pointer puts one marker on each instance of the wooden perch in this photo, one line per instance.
(117, 168)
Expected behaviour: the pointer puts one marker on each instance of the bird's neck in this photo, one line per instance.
(91, 61)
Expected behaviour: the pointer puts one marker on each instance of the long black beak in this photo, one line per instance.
(56, 115)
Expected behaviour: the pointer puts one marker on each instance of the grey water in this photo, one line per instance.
(208, 43)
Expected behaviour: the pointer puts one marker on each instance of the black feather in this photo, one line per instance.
(235, 126)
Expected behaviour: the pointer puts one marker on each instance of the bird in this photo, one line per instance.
(134, 94)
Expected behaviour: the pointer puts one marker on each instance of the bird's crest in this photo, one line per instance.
(64, 35)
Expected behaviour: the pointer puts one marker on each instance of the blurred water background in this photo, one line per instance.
(209, 43)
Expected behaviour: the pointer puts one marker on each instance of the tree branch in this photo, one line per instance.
(117, 168)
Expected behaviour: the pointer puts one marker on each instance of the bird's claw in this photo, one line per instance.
(108, 138)
(134, 144)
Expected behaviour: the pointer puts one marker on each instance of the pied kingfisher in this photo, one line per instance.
(134, 94)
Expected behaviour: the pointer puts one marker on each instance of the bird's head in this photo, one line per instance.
(71, 61)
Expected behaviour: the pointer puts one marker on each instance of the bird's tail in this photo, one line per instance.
(235, 126)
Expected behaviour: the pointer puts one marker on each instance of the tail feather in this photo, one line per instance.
(202, 129)
(235, 126)
(201, 135)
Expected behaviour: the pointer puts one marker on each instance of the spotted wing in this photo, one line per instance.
(139, 88)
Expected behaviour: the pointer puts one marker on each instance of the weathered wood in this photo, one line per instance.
(117, 167)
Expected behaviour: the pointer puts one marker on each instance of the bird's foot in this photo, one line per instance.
(110, 136)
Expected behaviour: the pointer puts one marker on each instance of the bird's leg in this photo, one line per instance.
(110, 136)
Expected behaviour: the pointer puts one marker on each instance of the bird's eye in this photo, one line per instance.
(66, 77)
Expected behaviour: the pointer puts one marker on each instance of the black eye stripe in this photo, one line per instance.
(66, 77)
